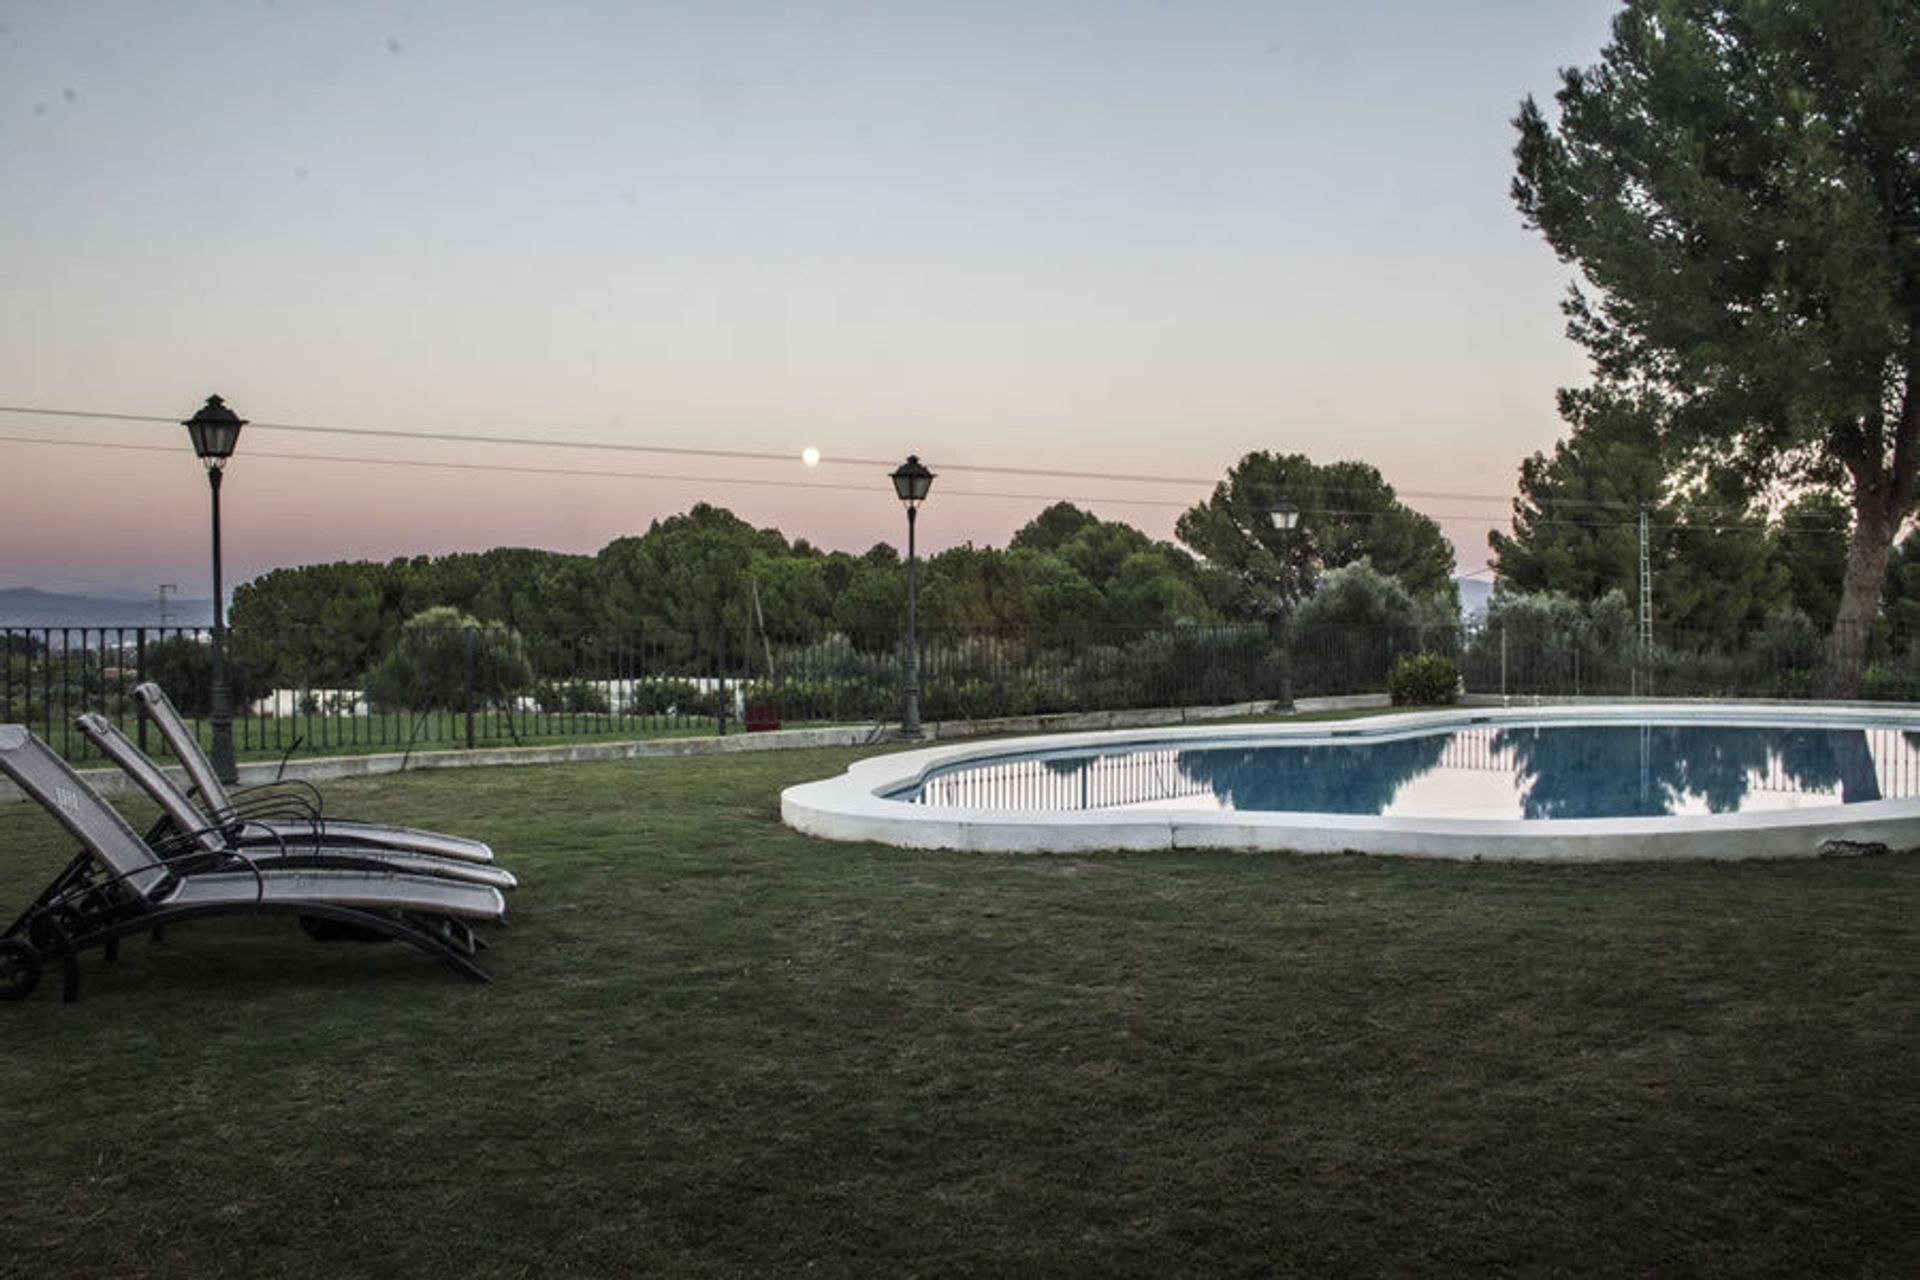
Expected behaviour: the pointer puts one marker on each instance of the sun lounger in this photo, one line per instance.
(286, 841)
(118, 885)
(219, 805)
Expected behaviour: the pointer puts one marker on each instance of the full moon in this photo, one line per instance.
(810, 456)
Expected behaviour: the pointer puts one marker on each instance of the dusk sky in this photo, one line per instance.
(1134, 238)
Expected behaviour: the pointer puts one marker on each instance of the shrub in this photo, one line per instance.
(1356, 595)
(1548, 642)
(428, 668)
(681, 698)
(1424, 680)
(183, 666)
(1883, 682)
(824, 699)
(573, 697)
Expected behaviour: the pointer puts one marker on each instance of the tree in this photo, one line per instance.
(1356, 595)
(1810, 546)
(1719, 569)
(1717, 577)
(1052, 528)
(1903, 593)
(1575, 521)
(1739, 183)
(691, 576)
(1348, 512)
(183, 666)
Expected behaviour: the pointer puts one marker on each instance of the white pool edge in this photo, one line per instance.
(850, 806)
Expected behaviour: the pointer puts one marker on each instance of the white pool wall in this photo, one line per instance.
(852, 806)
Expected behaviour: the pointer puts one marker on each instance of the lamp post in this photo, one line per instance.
(911, 481)
(215, 430)
(1283, 516)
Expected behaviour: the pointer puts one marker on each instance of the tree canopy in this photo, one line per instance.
(691, 580)
(1739, 184)
(1575, 521)
(1347, 512)
(1721, 565)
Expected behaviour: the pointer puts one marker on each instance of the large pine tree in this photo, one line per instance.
(1739, 183)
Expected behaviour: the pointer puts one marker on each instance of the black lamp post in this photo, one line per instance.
(215, 430)
(911, 481)
(1284, 517)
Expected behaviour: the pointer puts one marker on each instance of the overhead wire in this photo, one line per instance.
(590, 474)
(755, 455)
(1504, 502)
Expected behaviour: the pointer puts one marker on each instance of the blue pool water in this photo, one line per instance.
(1505, 771)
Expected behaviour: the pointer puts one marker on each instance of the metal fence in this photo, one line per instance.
(307, 690)
(299, 690)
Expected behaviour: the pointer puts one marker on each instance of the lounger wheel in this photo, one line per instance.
(19, 969)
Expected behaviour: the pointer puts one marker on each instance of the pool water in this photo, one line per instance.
(1505, 771)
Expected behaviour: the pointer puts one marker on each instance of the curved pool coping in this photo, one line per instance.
(852, 806)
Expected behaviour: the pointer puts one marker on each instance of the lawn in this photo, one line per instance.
(718, 1048)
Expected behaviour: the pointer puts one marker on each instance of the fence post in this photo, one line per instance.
(720, 678)
(1503, 663)
(468, 647)
(140, 677)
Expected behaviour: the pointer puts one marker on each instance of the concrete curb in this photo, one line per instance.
(858, 805)
(112, 782)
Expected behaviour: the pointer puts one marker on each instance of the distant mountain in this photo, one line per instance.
(28, 607)
(1473, 595)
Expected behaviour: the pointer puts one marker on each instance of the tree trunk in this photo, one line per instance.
(1860, 592)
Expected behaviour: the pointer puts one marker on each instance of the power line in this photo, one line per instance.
(1055, 473)
(1489, 520)
(584, 473)
(808, 485)
(596, 445)
(1504, 502)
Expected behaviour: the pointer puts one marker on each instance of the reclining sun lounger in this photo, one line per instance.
(117, 885)
(219, 804)
(286, 842)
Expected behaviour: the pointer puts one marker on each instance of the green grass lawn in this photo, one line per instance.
(718, 1048)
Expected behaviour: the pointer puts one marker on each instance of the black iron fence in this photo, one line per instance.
(472, 687)
(306, 690)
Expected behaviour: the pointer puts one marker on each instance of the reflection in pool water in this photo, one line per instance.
(1514, 771)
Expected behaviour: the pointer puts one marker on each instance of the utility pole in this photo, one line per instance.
(165, 587)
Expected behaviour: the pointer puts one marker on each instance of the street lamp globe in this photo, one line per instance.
(215, 430)
(912, 481)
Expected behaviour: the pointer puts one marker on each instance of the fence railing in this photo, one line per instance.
(309, 690)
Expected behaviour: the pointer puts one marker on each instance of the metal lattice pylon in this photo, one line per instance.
(1644, 658)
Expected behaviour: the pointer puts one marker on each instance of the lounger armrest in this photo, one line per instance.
(268, 811)
(293, 791)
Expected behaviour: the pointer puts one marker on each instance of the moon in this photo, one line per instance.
(810, 456)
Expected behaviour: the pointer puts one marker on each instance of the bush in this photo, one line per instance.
(429, 670)
(183, 666)
(672, 698)
(1548, 642)
(1424, 680)
(1786, 653)
(573, 697)
(831, 699)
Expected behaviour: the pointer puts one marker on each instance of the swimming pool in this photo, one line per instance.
(1619, 781)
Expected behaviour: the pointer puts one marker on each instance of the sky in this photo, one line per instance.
(1112, 239)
